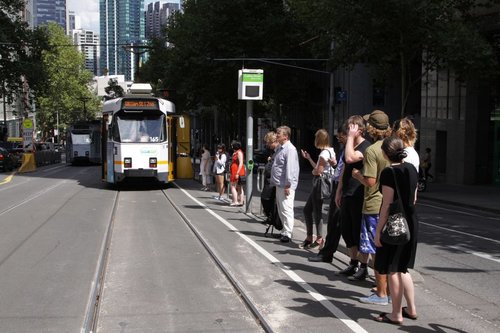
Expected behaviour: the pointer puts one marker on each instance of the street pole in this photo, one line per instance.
(57, 125)
(249, 185)
(4, 110)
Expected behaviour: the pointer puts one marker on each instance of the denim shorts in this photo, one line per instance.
(367, 234)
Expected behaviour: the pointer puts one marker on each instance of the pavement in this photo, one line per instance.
(482, 197)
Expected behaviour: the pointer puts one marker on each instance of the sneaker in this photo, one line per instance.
(350, 270)
(360, 275)
(374, 299)
(285, 239)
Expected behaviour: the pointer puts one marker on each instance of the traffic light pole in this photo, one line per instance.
(249, 184)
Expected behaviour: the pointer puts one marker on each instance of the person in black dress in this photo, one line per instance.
(395, 260)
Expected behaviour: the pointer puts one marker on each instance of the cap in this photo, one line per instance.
(377, 119)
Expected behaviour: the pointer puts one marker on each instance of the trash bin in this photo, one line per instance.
(184, 167)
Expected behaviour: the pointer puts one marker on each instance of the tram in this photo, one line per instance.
(138, 137)
(83, 143)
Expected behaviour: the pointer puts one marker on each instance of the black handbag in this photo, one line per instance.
(396, 231)
(324, 184)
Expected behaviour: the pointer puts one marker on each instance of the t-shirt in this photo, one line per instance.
(327, 154)
(373, 164)
(412, 157)
(351, 187)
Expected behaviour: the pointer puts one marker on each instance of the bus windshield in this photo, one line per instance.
(80, 139)
(139, 127)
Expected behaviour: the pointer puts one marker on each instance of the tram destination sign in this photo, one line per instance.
(143, 104)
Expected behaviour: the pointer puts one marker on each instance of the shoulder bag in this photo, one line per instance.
(396, 231)
(324, 183)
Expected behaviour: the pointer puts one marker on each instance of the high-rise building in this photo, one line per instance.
(74, 22)
(87, 42)
(45, 11)
(122, 33)
(157, 15)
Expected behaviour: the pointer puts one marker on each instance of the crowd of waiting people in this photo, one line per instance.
(376, 161)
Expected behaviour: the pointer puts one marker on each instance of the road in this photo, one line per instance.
(207, 267)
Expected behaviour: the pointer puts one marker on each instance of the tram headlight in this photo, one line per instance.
(153, 162)
(127, 162)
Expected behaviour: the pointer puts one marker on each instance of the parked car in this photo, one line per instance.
(7, 160)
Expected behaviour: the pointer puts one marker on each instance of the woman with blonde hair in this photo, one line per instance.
(406, 131)
(313, 209)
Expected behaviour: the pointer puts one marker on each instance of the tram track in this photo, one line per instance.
(92, 309)
(239, 290)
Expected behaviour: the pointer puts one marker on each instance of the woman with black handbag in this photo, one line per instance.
(395, 260)
(313, 212)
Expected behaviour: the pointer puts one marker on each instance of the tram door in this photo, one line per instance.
(179, 140)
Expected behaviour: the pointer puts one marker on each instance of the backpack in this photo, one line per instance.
(273, 220)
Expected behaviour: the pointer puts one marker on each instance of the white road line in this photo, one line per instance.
(338, 313)
(478, 254)
(36, 195)
(459, 211)
(460, 232)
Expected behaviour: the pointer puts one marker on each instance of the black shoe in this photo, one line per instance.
(350, 270)
(320, 258)
(360, 275)
(285, 239)
(305, 244)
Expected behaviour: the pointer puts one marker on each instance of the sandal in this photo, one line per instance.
(407, 315)
(306, 244)
(319, 244)
(382, 318)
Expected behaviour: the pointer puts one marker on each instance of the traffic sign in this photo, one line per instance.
(28, 123)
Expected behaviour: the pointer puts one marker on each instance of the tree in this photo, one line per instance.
(113, 90)
(66, 91)
(209, 30)
(20, 50)
(395, 37)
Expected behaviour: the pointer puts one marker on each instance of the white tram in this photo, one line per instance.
(136, 135)
(83, 143)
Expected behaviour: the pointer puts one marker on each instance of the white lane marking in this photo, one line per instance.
(34, 196)
(478, 254)
(352, 324)
(459, 211)
(460, 232)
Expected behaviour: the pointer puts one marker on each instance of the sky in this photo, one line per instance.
(88, 10)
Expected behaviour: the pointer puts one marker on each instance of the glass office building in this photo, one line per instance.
(45, 11)
(121, 32)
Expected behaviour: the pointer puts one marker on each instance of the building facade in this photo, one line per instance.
(122, 34)
(87, 42)
(45, 11)
(156, 17)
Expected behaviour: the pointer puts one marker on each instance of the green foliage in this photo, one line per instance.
(67, 88)
(209, 31)
(394, 36)
(20, 50)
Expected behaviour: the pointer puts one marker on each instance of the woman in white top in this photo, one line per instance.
(219, 170)
(205, 167)
(313, 209)
(405, 130)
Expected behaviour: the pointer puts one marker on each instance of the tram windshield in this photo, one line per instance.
(80, 139)
(138, 127)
